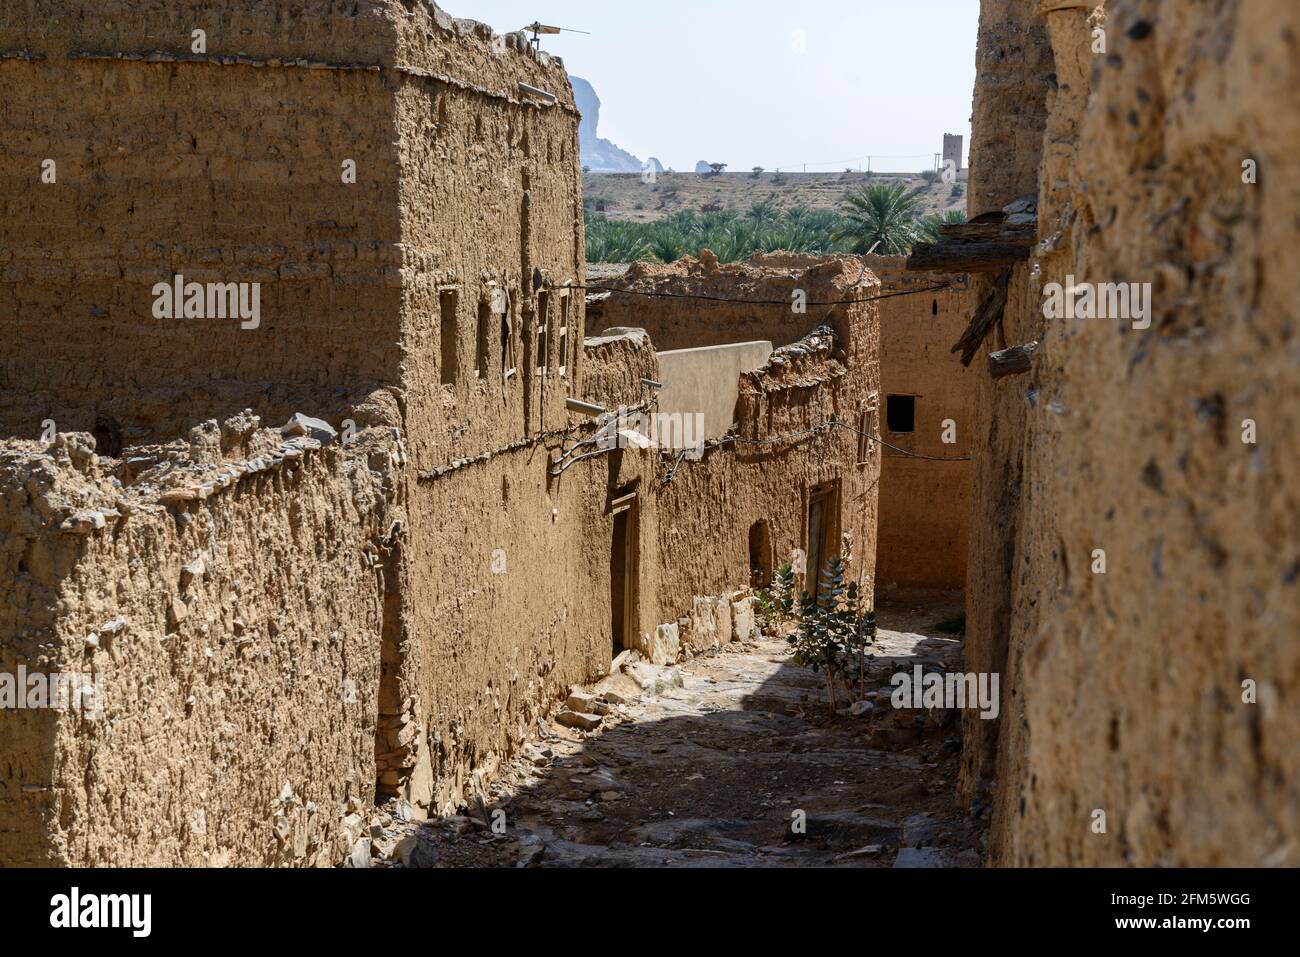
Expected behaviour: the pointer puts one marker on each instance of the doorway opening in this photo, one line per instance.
(623, 573)
(823, 532)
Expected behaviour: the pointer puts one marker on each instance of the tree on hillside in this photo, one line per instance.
(717, 168)
(756, 172)
(880, 219)
(927, 227)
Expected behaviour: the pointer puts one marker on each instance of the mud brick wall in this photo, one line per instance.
(491, 204)
(237, 640)
(1124, 690)
(706, 512)
(1199, 534)
(925, 505)
(1014, 72)
(217, 168)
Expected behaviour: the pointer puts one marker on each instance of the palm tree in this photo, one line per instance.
(928, 226)
(880, 219)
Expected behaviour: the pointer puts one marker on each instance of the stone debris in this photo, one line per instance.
(578, 720)
(687, 773)
(920, 857)
(305, 425)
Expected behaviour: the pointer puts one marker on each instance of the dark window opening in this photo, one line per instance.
(543, 321)
(900, 413)
(507, 346)
(934, 309)
(483, 353)
(447, 302)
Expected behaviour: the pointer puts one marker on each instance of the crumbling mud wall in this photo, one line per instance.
(741, 511)
(220, 601)
(1014, 73)
(410, 207)
(130, 158)
(925, 504)
(1151, 663)
(379, 601)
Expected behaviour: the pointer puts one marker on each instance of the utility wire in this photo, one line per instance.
(821, 429)
(764, 302)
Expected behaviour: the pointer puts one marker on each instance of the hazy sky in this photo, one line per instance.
(724, 81)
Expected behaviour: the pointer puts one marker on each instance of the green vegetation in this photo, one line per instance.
(829, 634)
(879, 216)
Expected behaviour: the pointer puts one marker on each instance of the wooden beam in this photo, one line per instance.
(961, 256)
(1014, 361)
(988, 314)
(1023, 234)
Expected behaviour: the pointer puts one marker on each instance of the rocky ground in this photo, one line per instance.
(729, 760)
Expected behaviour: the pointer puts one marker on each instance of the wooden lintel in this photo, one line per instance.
(960, 256)
(1020, 233)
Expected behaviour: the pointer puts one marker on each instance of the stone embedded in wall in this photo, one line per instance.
(744, 616)
(663, 646)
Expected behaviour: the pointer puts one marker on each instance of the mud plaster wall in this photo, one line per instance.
(237, 640)
(220, 171)
(925, 505)
(449, 662)
(501, 593)
(705, 513)
(677, 323)
(1130, 683)
(1013, 76)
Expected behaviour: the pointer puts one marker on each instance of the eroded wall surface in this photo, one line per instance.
(223, 601)
(130, 158)
(1130, 691)
(1014, 73)
(785, 448)
(293, 624)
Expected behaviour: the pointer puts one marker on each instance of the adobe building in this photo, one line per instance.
(928, 422)
(347, 534)
(1134, 548)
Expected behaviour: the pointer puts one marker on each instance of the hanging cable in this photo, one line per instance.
(764, 302)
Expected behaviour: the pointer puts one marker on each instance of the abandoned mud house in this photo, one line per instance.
(1133, 547)
(381, 597)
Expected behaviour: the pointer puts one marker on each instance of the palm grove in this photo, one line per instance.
(879, 218)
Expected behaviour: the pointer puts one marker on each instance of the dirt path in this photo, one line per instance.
(717, 762)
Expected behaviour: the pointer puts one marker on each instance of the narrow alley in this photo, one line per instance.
(728, 760)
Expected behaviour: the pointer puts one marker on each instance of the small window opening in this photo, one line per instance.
(562, 352)
(900, 413)
(483, 353)
(447, 300)
(934, 308)
(866, 435)
(508, 364)
(543, 320)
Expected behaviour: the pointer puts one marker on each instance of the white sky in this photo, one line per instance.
(719, 80)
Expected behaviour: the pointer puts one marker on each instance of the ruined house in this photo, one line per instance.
(1133, 548)
(307, 475)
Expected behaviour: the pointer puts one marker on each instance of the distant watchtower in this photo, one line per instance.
(952, 150)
